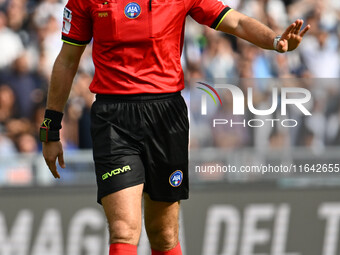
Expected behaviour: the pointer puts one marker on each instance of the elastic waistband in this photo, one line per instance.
(136, 97)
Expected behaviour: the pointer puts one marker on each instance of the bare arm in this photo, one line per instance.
(64, 70)
(253, 31)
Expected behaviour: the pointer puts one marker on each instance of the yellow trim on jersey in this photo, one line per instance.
(73, 43)
(225, 15)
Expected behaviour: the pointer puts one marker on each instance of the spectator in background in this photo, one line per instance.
(333, 128)
(17, 16)
(50, 43)
(21, 134)
(229, 135)
(11, 46)
(47, 8)
(26, 86)
(317, 122)
(85, 99)
(26, 143)
(7, 111)
(278, 139)
(7, 104)
(7, 146)
(77, 121)
(29, 37)
(320, 54)
(218, 57)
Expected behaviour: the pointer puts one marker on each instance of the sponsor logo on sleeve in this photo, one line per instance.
(67, 17)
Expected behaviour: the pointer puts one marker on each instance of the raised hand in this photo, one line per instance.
(292, 37)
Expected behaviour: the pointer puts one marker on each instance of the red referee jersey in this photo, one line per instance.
(137, 44)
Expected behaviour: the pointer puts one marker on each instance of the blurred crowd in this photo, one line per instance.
(315, 65)
(30, 39)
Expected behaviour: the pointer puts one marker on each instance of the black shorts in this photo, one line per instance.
(141, 139)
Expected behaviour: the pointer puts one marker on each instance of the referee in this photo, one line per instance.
(139, 121)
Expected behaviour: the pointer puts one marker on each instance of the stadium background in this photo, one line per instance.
(229, 214)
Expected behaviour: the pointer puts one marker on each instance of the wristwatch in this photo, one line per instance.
(276, 41)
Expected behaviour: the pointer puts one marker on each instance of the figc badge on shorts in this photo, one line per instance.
(132, 10)
(176, 178)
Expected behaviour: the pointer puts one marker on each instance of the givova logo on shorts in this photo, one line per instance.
(176, 178)
(116, 171)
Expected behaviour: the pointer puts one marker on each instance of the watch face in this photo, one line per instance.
(276, 41)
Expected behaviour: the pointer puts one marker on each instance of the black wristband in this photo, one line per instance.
(47, 135)
(52, 120)
(49, 129)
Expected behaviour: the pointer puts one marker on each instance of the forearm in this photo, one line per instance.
(64, 70)
(257, 33)
(248, 29)
(61, 83)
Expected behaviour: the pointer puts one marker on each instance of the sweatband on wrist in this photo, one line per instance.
(49, 129)
(54, 119)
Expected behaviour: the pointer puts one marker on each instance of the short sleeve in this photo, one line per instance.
(77, 25)
(209, 12)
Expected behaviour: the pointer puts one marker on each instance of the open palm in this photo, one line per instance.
(292, 37)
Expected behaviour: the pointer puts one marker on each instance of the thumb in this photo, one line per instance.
(286, 34)
(282, 46)
(61, 159)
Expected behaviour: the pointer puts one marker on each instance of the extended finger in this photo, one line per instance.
(289, 29)
(53, 168)
(61, 159)
(54, 171)
(304, 31)
(299, 24)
